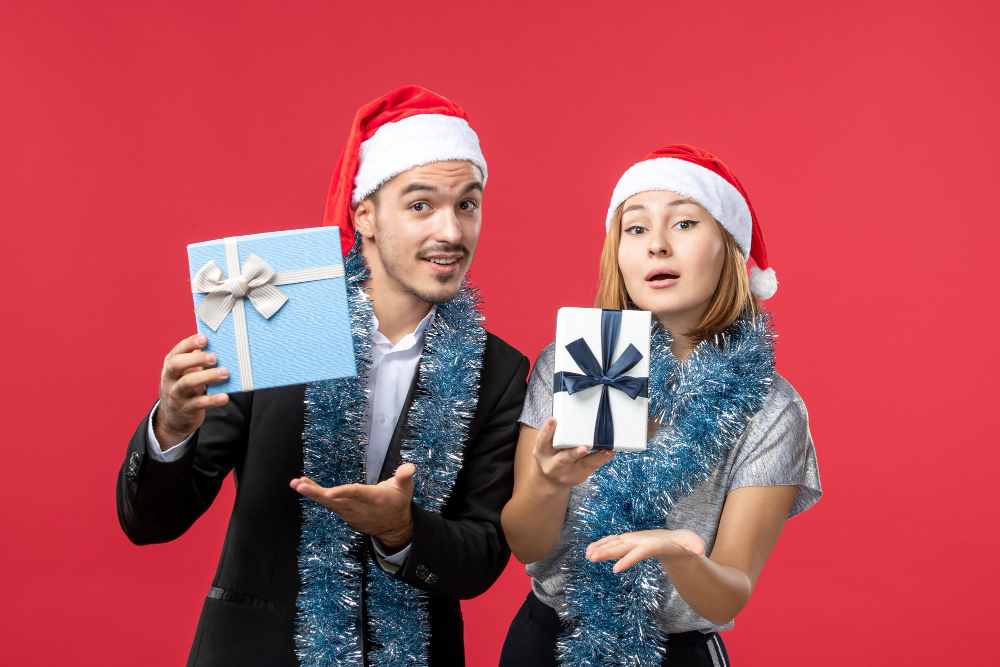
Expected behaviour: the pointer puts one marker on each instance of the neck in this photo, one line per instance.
(679, 324)
(398, 310)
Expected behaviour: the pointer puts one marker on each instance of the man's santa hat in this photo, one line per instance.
(699, 175)
(405, 128)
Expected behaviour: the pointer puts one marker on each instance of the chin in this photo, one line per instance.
(437, 291)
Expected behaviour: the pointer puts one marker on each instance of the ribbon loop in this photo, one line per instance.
(253, 282)
(606, 373)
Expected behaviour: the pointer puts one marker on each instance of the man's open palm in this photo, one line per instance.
(381, 510)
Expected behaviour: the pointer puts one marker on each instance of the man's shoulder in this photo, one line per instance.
(500, 352)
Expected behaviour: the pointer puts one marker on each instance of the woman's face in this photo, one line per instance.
(671, 255)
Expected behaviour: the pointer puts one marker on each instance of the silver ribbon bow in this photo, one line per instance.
(254, 282)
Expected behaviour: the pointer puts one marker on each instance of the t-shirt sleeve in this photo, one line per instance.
(538, 398)
(779, 450)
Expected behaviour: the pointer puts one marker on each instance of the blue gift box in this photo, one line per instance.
(297, 278)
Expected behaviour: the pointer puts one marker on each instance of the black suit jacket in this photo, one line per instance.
(248, 617)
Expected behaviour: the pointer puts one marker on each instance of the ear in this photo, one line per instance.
(364, 218)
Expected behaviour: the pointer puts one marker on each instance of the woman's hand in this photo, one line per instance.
(670, 547)
(565, 468)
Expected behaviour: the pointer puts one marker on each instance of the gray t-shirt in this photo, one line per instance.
(775, 448)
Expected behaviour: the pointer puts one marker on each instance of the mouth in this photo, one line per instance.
(662, 277)
(443, 264)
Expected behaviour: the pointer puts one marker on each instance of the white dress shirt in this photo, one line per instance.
(389, 379)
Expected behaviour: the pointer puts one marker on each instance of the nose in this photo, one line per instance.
(658, 246)
(446, 226)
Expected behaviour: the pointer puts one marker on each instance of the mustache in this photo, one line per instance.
(443, 248)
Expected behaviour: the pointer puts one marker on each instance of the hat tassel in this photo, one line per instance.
(763, 283)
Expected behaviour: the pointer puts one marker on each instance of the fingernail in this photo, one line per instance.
(606, 454)
(221, 398)
(223, 372)
(200, 340)
(210, 358)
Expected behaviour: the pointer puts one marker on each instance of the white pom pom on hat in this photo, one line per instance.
(701, 176)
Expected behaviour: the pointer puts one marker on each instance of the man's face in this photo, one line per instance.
(425, 225)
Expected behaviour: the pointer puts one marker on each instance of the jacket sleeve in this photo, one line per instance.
(461, 552)
(158, 501)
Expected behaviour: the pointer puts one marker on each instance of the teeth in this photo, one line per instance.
(443, 262)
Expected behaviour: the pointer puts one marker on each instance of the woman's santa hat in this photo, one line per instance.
(405, 128)
(699, 175)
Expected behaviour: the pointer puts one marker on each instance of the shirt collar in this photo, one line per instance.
(407, 341)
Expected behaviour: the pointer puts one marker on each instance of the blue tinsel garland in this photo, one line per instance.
(707, 403)
(328, 623)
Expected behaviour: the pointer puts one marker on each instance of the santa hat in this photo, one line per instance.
(405, 128)
(701, 176)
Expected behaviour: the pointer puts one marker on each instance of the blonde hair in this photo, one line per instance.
(732, 298)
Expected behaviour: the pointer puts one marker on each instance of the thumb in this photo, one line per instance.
(404, 477)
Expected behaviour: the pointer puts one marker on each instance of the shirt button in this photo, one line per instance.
(381, 418)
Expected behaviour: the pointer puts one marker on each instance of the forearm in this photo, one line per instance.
(715, 591)
(533, 518)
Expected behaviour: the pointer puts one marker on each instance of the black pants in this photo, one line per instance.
(531, 641)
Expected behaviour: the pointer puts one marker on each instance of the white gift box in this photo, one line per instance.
(601, 362)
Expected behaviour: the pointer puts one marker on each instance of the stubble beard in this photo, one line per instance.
(394, 271)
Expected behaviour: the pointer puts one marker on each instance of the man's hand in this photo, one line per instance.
(381, 510)
(186, 371)
(670, 547)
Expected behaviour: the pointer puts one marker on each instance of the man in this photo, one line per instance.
(365, 507)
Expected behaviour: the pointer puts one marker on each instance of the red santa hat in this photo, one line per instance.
(701, 176)
(405, 128)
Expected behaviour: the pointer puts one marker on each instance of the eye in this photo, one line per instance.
(419, 206)
(635, 230)
(468, 205)
(687, 224)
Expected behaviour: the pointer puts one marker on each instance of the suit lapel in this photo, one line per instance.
(394, 455)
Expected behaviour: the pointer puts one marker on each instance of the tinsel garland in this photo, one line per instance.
(328, 622)
(704, 405)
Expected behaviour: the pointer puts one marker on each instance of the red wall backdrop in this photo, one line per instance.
(864, 132)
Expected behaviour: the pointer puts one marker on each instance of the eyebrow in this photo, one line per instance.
(418, 187)
(642, 207)
(423, 187)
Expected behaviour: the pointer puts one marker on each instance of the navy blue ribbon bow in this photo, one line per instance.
(605, 373)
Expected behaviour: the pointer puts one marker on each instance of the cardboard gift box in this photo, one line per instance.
(601, 378)
(273, 307)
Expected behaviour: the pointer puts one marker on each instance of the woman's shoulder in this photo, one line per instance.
(782, 401)
(546, 359)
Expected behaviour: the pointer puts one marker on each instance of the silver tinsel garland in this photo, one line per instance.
(704, 405)
(328, 622)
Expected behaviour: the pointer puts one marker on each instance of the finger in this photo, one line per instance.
(193, 384)
(543, 442)
(567, 457)
(640, 552)
(176, 365)
(604, 540)
(205, 401)
(189, 344)
(595, 460)
(610, 551)
(348, 491)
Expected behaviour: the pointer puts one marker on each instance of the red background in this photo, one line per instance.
(865, 134)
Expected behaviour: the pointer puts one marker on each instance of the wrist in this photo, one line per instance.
(166, 436)
(395, 539)
(680, 564)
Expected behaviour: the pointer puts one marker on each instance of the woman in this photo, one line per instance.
(689, 523)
